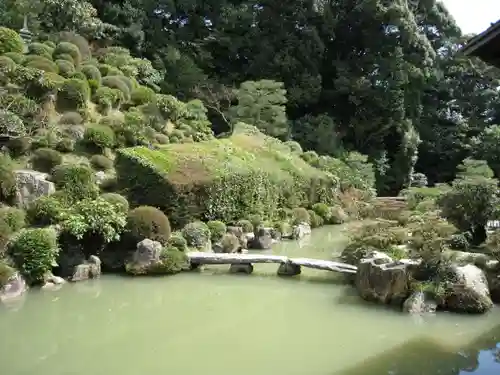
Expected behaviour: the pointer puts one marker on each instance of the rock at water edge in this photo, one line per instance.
(419, 303)
(262, 240)
(289, 269)
(241, 268)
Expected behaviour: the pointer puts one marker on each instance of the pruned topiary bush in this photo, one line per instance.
(148, 222)
(65, 68)
(10, 41)
(101, 162)
(77, 181)
(14, 217)
(45, 159)
(34, 252)
(197, 234)
(119, 201)
(45, 211)
(99, 137)
(91, 72)
(217, 230)
(73, 95)
(66, 48)
(177, 241)
(116, 82)
(8, 184)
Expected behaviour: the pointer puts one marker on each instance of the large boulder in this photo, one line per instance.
(14, 289)
(262, 240)
(32, 185)
(146, 256)
(420, 303)
(469, 291)
(380, 279)
(300, 231)
(90, 269)
(229, 243)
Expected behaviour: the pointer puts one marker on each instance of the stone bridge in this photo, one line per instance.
(287, 266)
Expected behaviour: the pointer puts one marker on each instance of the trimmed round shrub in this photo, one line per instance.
(15, 218)
(45, 211)
(19, 146)
(65, 48)
(11, 124)
(45, 159)
(101, 162)
(42, 63)
(100, 137)
(148, 222)
(34, 251)
(294, 147)
(18, 58)
(79, 75)
(77, 181)
(115, 82)
(7, 65)
(7, 179)
(66, 69)
(108, 70)
(66, 57)
(217, 230)
(10, 41)
(142, 95)
(310, 157)
(50, 43)
(246, 225)
(117, 200)
(107, 98)
(65, 145)
(91, 72)
(162, 139)
(40, 49)
(177, 241)
(71, 118)
(257, 222)
(73, 95)
(77, 40)
(197, 234)
(301, 215)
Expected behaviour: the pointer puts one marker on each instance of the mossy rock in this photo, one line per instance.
(221, 179)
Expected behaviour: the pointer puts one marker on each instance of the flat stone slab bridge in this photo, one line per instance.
(288, 266)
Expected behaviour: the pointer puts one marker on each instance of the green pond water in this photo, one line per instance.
(211, 322)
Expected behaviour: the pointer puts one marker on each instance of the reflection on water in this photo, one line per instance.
(212, 322)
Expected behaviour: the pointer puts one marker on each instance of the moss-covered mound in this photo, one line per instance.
(227, 179)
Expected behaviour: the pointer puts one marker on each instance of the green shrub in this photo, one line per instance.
(217, 230)
(162, 139)
(71, 118)
(310, 157)
(295, 147)
(10, 41)
(197, 234)
(19, 146)
(7, 180)
(45, 159)
(7, 65)
(66, 69)
(337, 215)
(301, 215)
(42, 63)
(79, 75)
(117, 200)
(34, 251)
(94, 86)
(18, 58)
(107, 98)
(50, 44)
(177, 241)
(101, 162)
(73, 95)
(40, 49)
(11, 124)
(76, 180)
(148, 222)
(116, 82)
(91, 72)
(65, 48)
(315, 220)
(172, 261)
(45, 211)
(15, 218)
(65, 145)
(77, 40)
(66, 57)
(322, 210)
(246, 225)
(100, 137)
(142, 95)
(108, 70)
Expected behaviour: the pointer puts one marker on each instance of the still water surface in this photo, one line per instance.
(214, 323)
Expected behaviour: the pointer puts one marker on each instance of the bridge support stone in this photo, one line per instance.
(289, 269)
(241, 268)
(194, 266)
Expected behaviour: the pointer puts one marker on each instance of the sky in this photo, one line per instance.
(474, 16)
